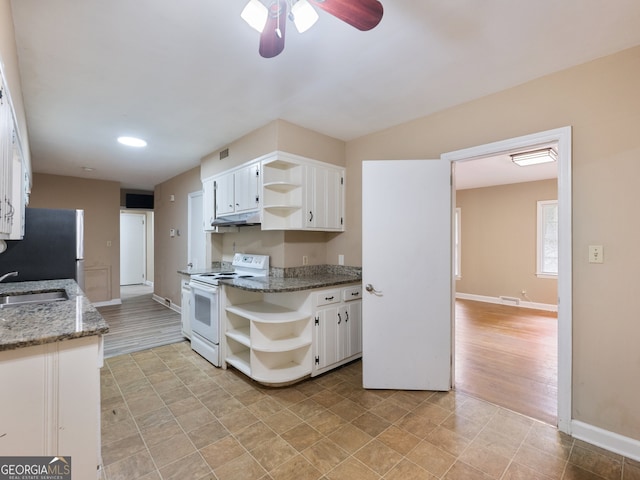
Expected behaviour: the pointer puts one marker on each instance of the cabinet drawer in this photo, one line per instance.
(328, 297)
(352, 293)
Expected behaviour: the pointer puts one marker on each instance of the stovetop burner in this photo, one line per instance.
(246, 266)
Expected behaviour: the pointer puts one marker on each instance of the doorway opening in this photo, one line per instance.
(561, 139)
(136, 248)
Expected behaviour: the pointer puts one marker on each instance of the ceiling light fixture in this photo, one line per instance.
(270, 18)
(255, 14)
(300, 12)
(534, 157)
(132, 142)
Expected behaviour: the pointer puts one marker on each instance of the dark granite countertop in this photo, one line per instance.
(40, 323)
(290, 284)
(292, 279)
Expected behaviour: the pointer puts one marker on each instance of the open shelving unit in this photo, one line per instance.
(270, 339)
(282, 194)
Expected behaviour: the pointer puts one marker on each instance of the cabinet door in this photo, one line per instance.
(225, 194)
(324, 205)
(353, 324)
(208, 203)
(6, 160)
(185, 309)
(27, 428)
(247, 184)
(326, 337)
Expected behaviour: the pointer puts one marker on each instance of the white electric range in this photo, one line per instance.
(205, 308)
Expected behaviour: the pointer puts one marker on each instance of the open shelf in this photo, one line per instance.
(240, 360)
(265, 312)
(281, 186)
(240, 335)
(288, 372)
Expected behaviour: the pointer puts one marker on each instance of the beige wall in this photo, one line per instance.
(600, 101)
(100, 201)
(499, 237)
(285, 249)
(171, 252)
(9, 63)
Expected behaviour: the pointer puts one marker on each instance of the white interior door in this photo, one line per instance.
(196, 254)
(132, 248)
(407, 310)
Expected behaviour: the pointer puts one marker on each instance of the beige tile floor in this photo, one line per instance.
(168, 414)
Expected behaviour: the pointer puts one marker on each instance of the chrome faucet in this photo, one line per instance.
(7, 275)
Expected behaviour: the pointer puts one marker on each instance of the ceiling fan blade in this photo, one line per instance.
(272, 37)
(361, 14)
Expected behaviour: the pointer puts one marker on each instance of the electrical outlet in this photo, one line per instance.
(340, 259)
(305, 260)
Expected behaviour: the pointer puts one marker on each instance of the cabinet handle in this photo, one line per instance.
(328, 298)
(347, 315)
(355, 294)
(339, 319)
(310, 216)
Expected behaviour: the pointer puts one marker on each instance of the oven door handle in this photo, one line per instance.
(203, 288)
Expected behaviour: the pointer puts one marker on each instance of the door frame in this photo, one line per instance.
(561, 137)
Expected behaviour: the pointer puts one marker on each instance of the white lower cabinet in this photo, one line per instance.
(277, 338)
(337, 328)
(51, 404)
(185, 308)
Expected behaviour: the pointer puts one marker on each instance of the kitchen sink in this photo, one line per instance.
(43, 296)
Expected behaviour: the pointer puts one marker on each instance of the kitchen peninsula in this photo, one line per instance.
(50, 359)
(292, 324)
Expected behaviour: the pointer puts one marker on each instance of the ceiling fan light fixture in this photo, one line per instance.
(255, 14)
(304, 15)
(535, 157)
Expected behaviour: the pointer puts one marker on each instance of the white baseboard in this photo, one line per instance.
(167, 303)
(148, 283)
(611, 441)
(500, 301)
(113, 301)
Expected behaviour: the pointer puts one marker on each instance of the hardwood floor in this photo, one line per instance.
(139, 323)
(508, 356)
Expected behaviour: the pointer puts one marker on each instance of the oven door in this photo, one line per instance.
(204, 311)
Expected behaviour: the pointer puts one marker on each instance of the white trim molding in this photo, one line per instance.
(114, 301)
(561, 137)
(167, 303)
(613, 442)
(507, 301)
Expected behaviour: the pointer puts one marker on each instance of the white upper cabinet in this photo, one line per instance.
(246, 184)
(238, 190)
(13, 185)
(302, 194)
(291, 193)
(324, 198)
(224, 194)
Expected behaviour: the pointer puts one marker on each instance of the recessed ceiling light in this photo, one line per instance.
(132, 141)
(88, 169)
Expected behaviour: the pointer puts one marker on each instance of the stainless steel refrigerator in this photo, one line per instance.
(52, 247)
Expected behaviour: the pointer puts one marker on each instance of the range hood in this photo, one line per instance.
(237, 220)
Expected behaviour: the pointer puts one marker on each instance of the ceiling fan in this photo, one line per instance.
(271, 21)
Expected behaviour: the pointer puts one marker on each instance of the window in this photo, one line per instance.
(456, 244)
(547, 239)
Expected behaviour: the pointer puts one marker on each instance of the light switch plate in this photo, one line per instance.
(596, 254)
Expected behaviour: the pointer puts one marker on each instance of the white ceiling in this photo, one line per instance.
(186, 75)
